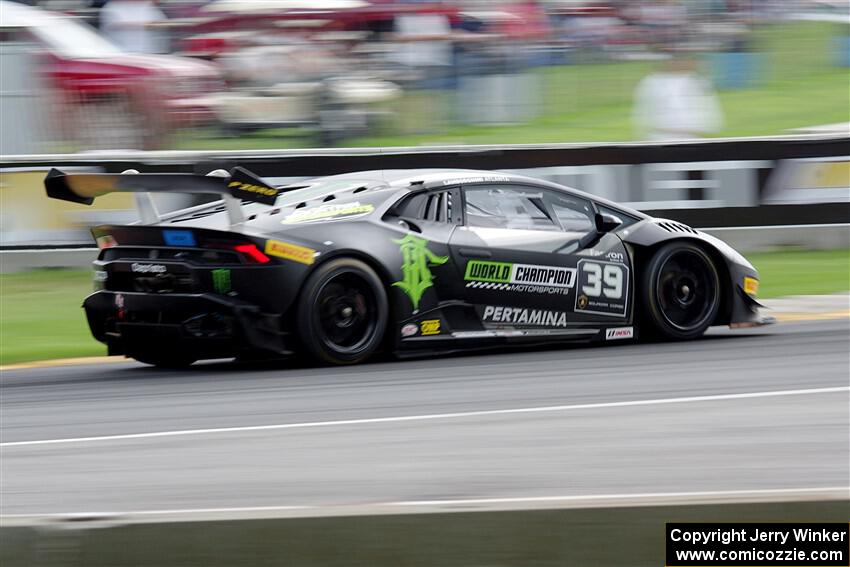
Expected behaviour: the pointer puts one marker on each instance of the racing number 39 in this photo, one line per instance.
(602, 288)
(609, 274)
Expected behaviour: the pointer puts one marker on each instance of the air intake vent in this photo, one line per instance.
(671, 226)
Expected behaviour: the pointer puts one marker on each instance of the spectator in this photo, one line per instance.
(676, 103)
(131, 25)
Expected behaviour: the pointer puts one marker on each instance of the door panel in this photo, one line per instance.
(540, 278)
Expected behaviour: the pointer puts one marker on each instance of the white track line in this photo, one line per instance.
(565, 501)
(426, 417)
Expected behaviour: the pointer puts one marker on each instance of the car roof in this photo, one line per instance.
(431, 177)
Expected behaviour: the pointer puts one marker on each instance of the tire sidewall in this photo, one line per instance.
(307, 320)
(656, 318)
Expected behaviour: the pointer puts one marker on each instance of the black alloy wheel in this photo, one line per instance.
(682, 291)
(343, 312)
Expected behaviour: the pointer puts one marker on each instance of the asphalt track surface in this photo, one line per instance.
(755, 409)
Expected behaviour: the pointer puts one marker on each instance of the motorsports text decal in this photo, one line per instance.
(520, 317)
(505, 276)
(416, 267)
(325, 212)
(602, 288)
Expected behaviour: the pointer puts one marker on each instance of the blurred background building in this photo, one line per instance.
(82, 75)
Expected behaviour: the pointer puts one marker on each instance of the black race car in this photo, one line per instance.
(342, 267)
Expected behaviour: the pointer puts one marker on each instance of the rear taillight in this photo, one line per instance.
(106, 241)
(251, 253)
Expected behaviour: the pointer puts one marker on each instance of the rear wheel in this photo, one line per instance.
(343, 312)
(681, 290)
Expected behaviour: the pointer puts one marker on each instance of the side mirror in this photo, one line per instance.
(607, 222)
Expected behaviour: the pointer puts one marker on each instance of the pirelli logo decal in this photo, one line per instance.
(504, 276)
(251, 188)
(293, 252)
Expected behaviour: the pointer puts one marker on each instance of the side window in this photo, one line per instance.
(574, 214)
(432, 206)
(507, 207)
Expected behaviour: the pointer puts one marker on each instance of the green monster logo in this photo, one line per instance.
(221, 280)
(417, 260)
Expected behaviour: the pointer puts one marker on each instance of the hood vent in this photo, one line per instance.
(671, 226)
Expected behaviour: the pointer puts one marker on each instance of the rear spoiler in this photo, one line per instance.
(238, 184)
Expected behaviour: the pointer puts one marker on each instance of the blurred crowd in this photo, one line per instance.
(135, 73)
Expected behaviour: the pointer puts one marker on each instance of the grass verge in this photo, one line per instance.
(802, 272)
(593, 102)
(41, 318)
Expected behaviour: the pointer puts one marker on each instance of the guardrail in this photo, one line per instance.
(788, 180)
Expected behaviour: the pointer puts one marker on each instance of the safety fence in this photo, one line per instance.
(777, 181)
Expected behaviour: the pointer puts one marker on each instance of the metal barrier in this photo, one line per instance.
(788, 180)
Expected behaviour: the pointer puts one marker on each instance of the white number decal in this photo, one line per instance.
(594, 273)
(611, 276)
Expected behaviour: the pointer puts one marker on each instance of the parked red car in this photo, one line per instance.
(104, 97)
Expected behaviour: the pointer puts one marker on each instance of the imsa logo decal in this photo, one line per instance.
(619, 333)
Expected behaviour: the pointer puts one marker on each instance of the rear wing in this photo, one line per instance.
(238, 184)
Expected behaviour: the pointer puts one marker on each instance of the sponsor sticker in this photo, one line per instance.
(417, 260)
(221, 280)
(616, 257)
(751, 286)
(504, 276)
(179, 238)
(409, 330)
(293, 252)
(253, 192)
(430, 327)
(148, 268)
(619, 333)
(602, 288)
(327, 212)
(521, 317)
(467, 180)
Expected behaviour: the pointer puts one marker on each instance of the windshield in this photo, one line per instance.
(72, 39)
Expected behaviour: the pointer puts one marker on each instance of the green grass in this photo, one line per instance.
(802, 272)
(41, 318)
(798, 86)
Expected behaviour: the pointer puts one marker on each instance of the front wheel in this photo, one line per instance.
(681, 289)
(343, 312)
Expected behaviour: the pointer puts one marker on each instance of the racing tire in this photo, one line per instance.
(342, 313)
(163, 360)
(681, 291)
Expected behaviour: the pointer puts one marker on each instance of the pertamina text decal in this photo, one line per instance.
(521, 317)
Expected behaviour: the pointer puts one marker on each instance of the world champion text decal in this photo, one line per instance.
(505, 276)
